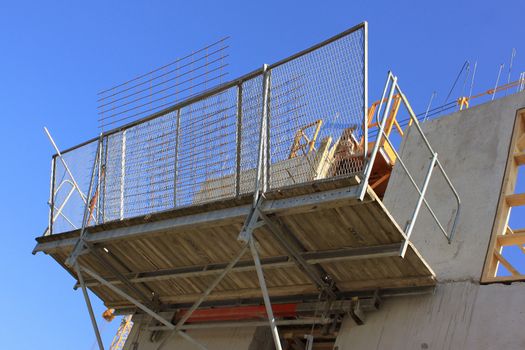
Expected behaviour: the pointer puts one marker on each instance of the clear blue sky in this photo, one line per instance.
(55, 56)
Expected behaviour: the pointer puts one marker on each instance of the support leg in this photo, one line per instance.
(138, 304)
(266, 297)
(90, 308)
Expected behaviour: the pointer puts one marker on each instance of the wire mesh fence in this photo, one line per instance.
(206, 148)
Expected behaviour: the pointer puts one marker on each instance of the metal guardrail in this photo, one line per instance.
(391, 89)
(206, 148)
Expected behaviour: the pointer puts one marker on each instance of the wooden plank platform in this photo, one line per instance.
(175, 255)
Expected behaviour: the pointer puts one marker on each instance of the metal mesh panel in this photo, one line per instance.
(251, 125)
(319, 92)
(68, 204)
(206, 148)
(147, 158)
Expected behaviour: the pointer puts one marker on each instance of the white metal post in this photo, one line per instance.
(122, 174)
(266, 297)
(423, 191)
(90, 308)
(381, 125)
(51, 198)
(365, 92)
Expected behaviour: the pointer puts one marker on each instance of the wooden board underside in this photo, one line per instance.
(349, 225)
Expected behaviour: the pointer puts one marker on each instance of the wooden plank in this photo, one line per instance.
(503, 279)
(516, 238)
(515, 200)
(521, 142)
(506, 263)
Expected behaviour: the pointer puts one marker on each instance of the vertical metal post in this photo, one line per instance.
(365, 93)
(381, 127)
(267, 115)
(90, 308)
(412, 221)
(79, 245)
(97, 208)
(52, 196)
(122, 174)
(260, 179)
(176, 169)
(103, 189)
(497, 81)
(238, 141)
(266, 297)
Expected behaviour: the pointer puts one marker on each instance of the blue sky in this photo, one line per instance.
(56, 55)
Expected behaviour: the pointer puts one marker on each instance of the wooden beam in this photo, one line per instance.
(516, 238)
(515, 200)
(521, 142)
(502, 279)
(506, 263)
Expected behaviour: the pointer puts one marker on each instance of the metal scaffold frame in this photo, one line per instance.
(255, 216)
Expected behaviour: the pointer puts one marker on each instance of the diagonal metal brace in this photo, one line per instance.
(140, 305)
(286, 239)
(204, 295)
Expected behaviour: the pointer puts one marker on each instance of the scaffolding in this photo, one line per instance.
(238, 157)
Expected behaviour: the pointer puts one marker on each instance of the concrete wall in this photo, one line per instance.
(473, 146)
(459, 315)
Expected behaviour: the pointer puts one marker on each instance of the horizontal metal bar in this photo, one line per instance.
(208, 325)
(319, 257)
(319, 45)
(301, 298)
(151, 227)
(304, 202)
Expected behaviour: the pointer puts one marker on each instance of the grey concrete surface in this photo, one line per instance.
(459, 315)
(473, 147)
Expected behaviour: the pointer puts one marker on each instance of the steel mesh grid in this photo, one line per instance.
(250, 129)
(80, 162)
(326, 84)
(207, 149)
(113, 180)
(146, 180)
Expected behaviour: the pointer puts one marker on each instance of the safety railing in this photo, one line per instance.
(392, 92)
(206, 148)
